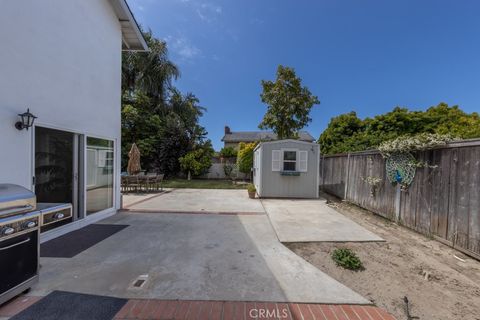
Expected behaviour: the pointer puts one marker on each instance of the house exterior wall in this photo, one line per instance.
(273, 184)
(61, 59)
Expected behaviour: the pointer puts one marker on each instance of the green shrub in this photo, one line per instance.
(198, 161)
(228, 152)
(251, 188)
(230, 170)
(245, 156)
(347, 259)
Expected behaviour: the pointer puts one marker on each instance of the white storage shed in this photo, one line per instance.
(286, 169)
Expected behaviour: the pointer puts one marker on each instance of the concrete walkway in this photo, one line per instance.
(195, 200)
(193, 257)
(313, 220)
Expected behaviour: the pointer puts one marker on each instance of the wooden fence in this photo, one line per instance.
(443, 202)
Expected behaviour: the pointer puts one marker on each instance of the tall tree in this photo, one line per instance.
(347, 133)
(159, 118)
(151, 72)
(288, 104)
(188, 109)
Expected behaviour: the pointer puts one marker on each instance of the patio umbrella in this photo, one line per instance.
(134, 160)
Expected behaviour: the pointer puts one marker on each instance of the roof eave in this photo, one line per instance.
(132, 37)
(290, 140)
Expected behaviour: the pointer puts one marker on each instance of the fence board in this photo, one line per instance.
(443, 201)
(474, 187)
(441, 180)
(462, 199)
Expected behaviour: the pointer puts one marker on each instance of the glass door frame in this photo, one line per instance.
(79, 197)
(76, 169)
(114, 174)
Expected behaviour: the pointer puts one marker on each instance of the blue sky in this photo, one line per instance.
(367, 56)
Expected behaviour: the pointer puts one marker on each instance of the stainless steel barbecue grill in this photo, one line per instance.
(19, 240)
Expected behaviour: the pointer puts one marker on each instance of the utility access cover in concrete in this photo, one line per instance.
(312, 221)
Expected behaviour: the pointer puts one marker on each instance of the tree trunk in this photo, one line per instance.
(189, 176)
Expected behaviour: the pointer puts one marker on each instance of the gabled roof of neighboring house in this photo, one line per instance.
(250, 136)
(132, 38)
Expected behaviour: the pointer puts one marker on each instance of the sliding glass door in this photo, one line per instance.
(54, 151)
(56, 170)
(99, 175)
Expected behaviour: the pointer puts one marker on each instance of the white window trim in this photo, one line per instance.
(283, 150)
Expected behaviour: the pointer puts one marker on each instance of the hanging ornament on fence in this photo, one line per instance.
(400, 167)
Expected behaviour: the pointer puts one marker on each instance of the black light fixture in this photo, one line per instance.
(27, 120)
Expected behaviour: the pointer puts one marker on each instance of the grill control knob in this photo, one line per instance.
(29, 224)
(7, 231)
(58, 216)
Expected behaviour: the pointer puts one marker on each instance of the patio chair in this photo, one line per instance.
(133, 183)
(124, 184)
(151, 181)
(159, 182)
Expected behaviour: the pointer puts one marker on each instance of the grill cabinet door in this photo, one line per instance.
(18, 260)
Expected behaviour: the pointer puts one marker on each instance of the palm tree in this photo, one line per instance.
(151, 72)
(189, 111)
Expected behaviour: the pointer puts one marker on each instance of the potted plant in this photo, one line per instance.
(251, 191)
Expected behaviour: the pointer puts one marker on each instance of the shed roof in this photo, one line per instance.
(286, 140)
(132, 38)
(251, 136)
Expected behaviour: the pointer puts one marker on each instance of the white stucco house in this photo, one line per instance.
(62, 61)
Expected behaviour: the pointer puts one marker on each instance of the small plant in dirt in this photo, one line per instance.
(347, 259)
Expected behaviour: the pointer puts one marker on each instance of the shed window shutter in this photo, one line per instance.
(302, 161)
(276, 160)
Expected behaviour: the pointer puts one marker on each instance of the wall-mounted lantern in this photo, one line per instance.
(27, 120)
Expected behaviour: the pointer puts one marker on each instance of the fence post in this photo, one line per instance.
(347, 176)
(398, 195)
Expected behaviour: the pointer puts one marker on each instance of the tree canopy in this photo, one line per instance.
(162, 121)
(348, 133)
(197, 161)
(288, 104)
(151, 72)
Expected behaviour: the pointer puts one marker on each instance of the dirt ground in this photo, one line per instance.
(439, 282)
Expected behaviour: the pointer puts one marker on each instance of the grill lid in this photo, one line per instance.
(15, 199)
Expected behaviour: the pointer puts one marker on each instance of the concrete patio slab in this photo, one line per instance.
(193, 257)
(198, 200)
(311, 221)
(132, 198)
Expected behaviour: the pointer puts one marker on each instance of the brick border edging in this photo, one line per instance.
(154, 309)
(17, 304)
